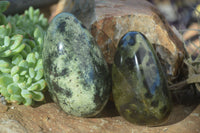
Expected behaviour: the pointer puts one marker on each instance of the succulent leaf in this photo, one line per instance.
(31, 72)
(5, 80)
(29, 81)
(31, 58)
(39, 74)
(3, 6)
(21, 83)
(42, 84)
(11, 46)
(39, 65)
(6, 53)
(6, 42)
(4, 63)
(5, 30)
(21, 43)
(14, 70)
(13, 89)
(18, 49)
(17, 59)
(27, 101)
(26, 93)
(33, 87)
(17, 39)
(37, 96)
(2, 19)
(16, 98)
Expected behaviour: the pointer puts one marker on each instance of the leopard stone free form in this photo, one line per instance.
(139, 85)
(76, 72)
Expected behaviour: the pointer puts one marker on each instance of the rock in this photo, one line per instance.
(139, 89)
(11, 126)
(75, 70)
(81, 9)
(50, 118)
(114, 18)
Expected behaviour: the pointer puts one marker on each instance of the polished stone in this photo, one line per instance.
(139, 86)
(74, 67)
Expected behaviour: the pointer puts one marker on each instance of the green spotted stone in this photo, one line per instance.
(139, 85)
(76, 72)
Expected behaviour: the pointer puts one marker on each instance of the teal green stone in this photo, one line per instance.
(139, 89)
(74, 68)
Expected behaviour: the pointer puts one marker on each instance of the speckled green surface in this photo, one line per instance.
(139, 86)
(76, 73)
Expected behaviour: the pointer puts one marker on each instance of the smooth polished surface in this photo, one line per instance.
(75, 70)
(139, 85)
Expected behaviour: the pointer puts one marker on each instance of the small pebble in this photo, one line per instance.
(3, 100)
(139, 86)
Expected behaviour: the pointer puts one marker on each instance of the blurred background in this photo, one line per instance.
(182, 15)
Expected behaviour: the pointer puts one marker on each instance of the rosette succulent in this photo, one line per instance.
(21, 69)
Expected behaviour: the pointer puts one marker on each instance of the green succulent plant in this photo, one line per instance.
(21, 69)
(3, 7)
